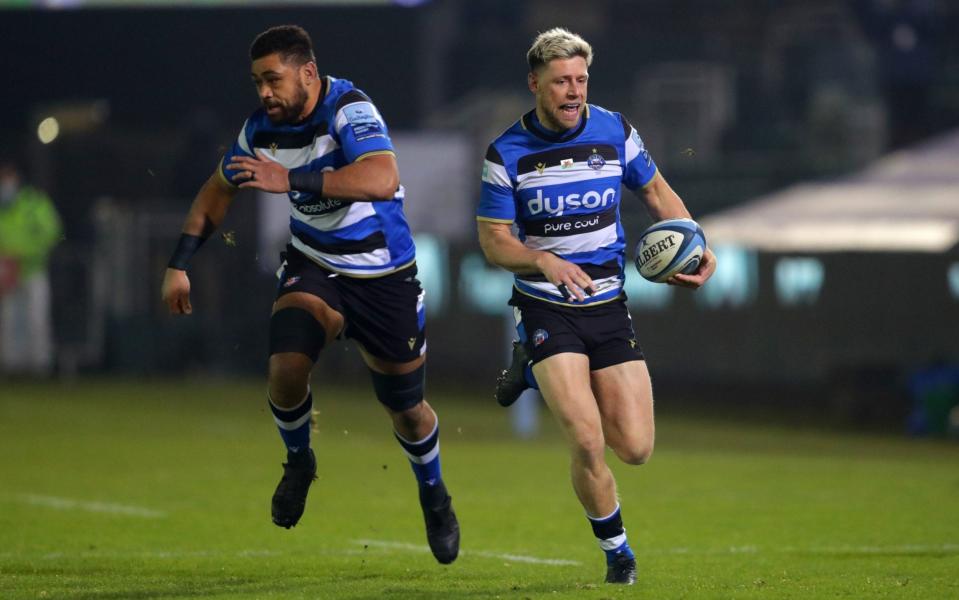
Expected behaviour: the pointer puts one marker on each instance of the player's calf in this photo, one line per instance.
(296, 339)
(403, 396)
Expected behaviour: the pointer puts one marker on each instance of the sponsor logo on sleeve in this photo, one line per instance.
(642, 147)
(362, 119)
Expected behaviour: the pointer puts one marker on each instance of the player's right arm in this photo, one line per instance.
(505, 250)
(205, 215)
(494, 219)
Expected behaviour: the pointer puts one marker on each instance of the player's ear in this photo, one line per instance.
(309, 71)
(532, 82)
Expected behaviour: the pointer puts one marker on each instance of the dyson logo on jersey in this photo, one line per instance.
(591, 199)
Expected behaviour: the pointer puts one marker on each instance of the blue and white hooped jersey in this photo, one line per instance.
(359, 239)
(563, 192)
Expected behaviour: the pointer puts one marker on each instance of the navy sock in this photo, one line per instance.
(611, 534)
(294, 423)
(424, 457)
(528, 376)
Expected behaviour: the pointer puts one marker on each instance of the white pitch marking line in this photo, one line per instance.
(850, 549)
(486, 554)
(99, 507)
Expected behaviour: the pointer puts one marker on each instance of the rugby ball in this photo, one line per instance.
(668, 248)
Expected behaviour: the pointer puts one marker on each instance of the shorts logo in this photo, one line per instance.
(596, 160)
(290, 281)
(539, 336)
(411, 342)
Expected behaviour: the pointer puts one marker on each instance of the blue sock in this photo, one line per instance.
(294, 423)
(530, 379)
(424, 457)
(611, 534)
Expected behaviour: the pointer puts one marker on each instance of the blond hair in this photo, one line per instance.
(557, 43)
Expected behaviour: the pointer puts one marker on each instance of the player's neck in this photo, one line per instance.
(544, 122)
(549, 128)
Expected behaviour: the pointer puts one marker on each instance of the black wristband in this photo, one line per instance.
(185, 249)
(306, 181)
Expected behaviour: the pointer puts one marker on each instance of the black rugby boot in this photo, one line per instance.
(289, 500)
(622, 570)
(442, 528)
(512, 381)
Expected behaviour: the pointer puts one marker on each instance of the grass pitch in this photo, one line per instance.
(162, 490)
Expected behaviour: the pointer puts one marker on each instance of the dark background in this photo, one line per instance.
(802, 91)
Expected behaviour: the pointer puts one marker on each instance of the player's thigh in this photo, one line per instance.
(305, 286)
(564, 382)
(330, 319)
(386, 317)
(300, 326)
(624, 395)
(390, 367)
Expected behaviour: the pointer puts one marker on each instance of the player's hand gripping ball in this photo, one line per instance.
(668, 248)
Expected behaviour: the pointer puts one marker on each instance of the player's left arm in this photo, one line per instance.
(374, 176)
(663, 202)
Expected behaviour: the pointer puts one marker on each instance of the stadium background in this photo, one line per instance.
(818, 143)
(735, 100)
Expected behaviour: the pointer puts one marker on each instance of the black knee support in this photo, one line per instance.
(399, 392)
(295, 329)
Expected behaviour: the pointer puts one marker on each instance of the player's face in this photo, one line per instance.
(282, 87)
(560, 89)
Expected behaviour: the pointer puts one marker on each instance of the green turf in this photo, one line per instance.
(723, 510)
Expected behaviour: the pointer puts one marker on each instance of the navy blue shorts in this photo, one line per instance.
(604, 332)
(386, 315)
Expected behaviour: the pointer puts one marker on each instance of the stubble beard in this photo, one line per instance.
(290, 114)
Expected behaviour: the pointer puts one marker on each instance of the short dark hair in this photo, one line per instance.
(289, 41)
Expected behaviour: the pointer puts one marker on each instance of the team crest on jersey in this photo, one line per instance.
(291, 281)
(539, 336)
(596, 160)
(540, 167)
(566, 163)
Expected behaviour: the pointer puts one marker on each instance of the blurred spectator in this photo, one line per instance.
(29, 229)
(906, 34)
(935, 395)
